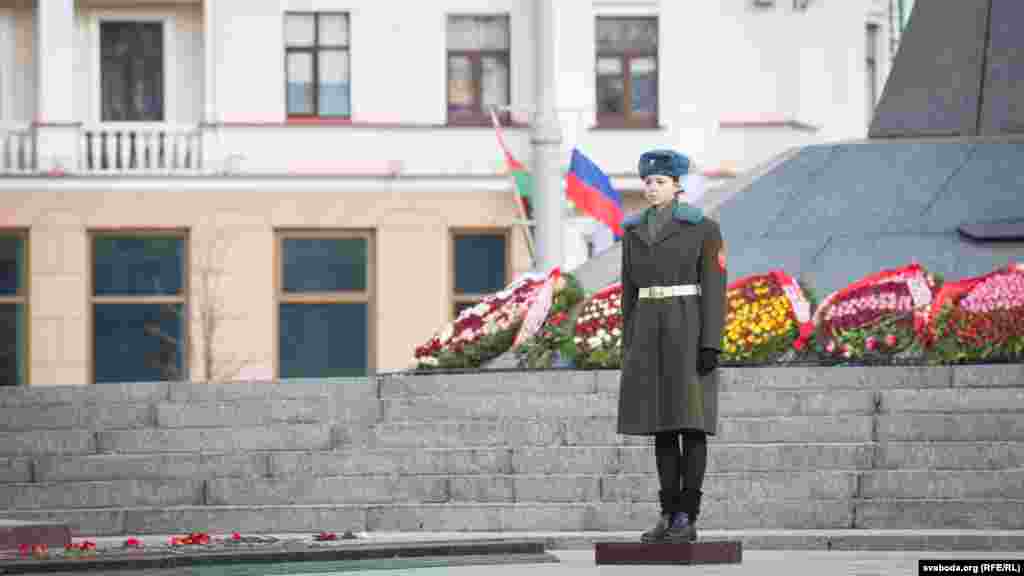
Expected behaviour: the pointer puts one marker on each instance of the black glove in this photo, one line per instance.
(707, 361)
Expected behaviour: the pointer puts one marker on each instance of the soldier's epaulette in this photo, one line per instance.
(633, 219)
(684, 212)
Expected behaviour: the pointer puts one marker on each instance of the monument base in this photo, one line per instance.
(700, 552)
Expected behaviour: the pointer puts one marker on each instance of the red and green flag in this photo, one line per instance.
(522, 177)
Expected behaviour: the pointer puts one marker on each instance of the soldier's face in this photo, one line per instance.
(659, 189)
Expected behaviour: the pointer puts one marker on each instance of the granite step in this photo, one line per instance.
(508, 488)
(597, 459)
(600, 431)
(759, 403)
(733, 379)
(186, 392)
(326, 409)
(803, 514)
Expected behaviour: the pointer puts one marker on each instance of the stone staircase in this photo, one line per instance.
(798, 448)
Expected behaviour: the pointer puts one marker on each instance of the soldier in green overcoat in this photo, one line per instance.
(673, 312)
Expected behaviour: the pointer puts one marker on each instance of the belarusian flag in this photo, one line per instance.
(515, 168)
(524, 184)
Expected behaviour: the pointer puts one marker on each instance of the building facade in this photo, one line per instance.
(237, 189)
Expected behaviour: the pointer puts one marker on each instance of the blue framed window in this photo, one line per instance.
(139, 307)
(13, 308)
(480, 266)
(324, 304)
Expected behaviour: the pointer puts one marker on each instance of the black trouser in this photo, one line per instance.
(681, 474)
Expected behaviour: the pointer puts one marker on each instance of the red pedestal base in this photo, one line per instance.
(710, 552)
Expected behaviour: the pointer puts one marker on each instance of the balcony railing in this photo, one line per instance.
(125, 148)
(17, 149)
(122, 148)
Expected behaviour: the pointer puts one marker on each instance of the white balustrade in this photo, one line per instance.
(17, 153)
(139, 148)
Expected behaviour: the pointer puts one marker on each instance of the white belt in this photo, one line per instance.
(669, 291)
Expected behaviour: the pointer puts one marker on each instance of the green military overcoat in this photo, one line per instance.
(660, 389)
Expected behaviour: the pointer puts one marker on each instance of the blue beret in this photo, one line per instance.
(666, 162)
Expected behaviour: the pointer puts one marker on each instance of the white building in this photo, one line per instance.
(261, 122)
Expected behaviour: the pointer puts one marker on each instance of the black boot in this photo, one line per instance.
(684, 526)
(669, 505)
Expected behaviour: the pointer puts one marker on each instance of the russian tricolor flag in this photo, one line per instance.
(589, 189)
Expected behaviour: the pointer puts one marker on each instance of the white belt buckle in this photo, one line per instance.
(656, 292)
